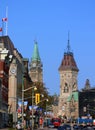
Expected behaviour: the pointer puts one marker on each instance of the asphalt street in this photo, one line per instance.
(46, 128)
(37, 129)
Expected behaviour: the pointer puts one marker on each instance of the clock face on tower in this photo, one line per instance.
(34, 64)
(13, 70)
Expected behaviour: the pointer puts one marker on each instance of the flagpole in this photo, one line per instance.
(7, 20)
(2, 28)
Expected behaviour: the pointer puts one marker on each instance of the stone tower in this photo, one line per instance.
(68, 71)
(36, 71)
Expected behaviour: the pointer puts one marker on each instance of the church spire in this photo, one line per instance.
(36, 70)
(87, 84)
(68, 61)
(68, 44)
(35, 56)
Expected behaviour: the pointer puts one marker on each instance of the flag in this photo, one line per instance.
(0, 29)
(4, 19)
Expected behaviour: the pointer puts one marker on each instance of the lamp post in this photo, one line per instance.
(32, 106)
(24, 90)
(33, 88)
(46, 107)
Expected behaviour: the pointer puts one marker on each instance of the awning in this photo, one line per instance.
(2, 111)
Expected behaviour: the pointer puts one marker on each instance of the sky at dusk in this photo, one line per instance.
(48, 22)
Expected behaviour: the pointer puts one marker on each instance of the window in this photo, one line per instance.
(66, 88)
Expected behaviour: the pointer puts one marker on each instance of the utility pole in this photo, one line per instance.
(24, 90)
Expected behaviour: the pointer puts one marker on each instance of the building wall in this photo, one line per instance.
(67, 78)
(14, 78)
(55, 111)
(3, 93)
(87, 103)
(36, 74)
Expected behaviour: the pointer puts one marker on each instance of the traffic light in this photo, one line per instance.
(37, 98)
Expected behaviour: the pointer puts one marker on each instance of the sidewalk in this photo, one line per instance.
(4, 129)
(45, 128)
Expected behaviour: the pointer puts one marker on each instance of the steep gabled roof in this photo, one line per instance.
(68, 61)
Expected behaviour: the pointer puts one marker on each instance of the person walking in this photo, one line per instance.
(41, 122)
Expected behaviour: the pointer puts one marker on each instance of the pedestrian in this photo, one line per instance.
(41, 122)
(29, 128)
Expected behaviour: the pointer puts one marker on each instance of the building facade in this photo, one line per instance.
(4, 67)
(87, 101)
(5, 58)
(14, 77)
(68, 98)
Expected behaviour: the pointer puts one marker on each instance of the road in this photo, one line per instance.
(36, 129)
(48, 129)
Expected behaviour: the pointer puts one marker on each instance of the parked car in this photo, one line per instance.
(51, 125)
(78, 127)
(75, 127)
(60, 128)
(64, 127)
(56, 122)
(88, 127)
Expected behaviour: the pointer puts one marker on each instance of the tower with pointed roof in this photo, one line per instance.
(36, 71)
(68, 71)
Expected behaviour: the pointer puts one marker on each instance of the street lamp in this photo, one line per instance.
(46, 107)
(33, 88)
(24, 90)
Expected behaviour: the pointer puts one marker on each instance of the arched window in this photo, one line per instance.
(66, 88)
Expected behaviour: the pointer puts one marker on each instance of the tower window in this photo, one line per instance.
(66, 88)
